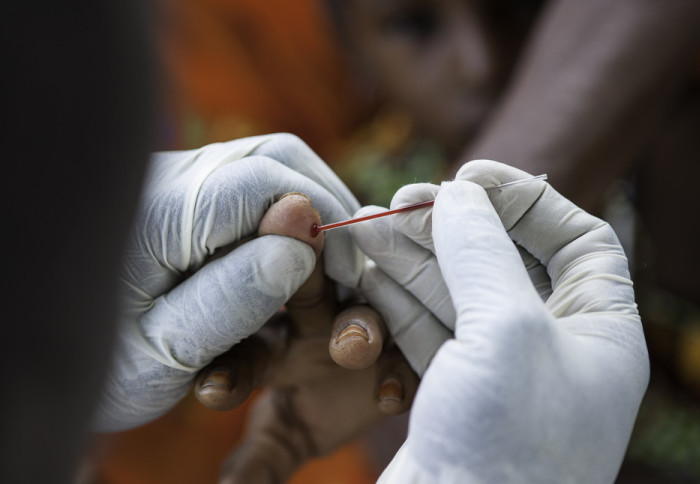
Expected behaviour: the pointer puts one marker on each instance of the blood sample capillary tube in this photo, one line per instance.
(316, 229)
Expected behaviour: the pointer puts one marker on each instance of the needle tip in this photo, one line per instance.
(314, 230)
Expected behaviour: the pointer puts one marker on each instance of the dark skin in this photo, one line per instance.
(559, 87)
(443, 62)
(586, 92)
(310, 405)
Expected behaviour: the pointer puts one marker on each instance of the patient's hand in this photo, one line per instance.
(310, 405)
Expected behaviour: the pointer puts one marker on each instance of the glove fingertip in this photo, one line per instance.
(371, 236)
(414, 193)
(295, 261)
(461, 195)
(368, 210)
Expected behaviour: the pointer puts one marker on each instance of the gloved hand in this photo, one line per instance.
(310, 405)
(178, 313)
(535, 387)
(402, 279)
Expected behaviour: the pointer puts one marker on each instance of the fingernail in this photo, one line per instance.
(352, 330)
(295, 193)
(219, 379)
(391, 390)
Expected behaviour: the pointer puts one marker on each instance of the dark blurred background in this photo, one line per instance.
(233, 68)
(397, 92)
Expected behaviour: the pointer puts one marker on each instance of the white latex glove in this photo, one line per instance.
(178, 313)
(402, 278)
(529, 390)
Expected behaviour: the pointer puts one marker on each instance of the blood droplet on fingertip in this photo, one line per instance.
(314, 230)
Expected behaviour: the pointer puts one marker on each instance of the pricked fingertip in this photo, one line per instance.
(314, 230)
(292, 215)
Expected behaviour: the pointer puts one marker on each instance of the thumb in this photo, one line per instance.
(480, 264)
(218, 306)
(224, 302)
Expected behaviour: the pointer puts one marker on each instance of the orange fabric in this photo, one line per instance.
(346, 466)
(247, 67)
(189, 444)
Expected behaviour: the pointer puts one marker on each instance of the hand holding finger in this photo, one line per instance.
(228, 380)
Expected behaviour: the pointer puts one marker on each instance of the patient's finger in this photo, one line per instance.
(313, 305)
(230, 378)
(293, 216)
(396, 383)
(357, 337)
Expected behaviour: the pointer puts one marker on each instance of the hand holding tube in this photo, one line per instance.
(548, 364)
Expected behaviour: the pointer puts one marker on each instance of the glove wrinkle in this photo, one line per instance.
(416, 331)
(544, 377)
(406, 262)
(180, 306)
